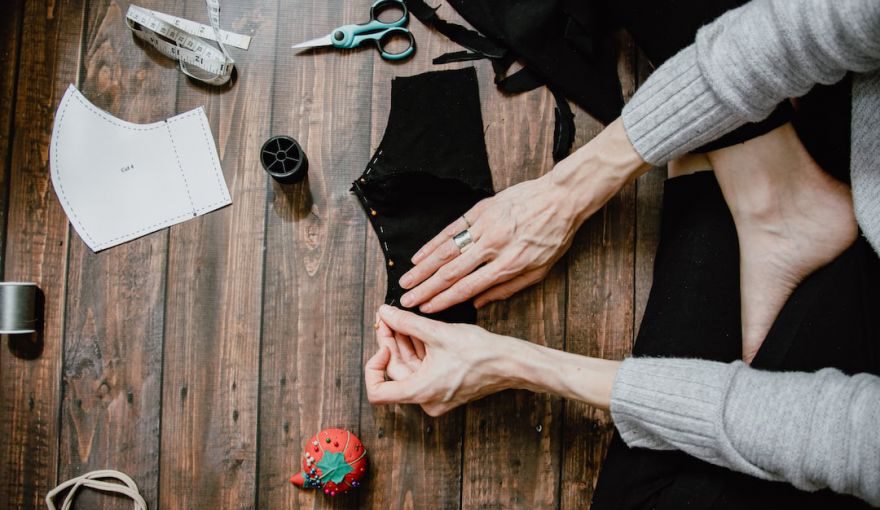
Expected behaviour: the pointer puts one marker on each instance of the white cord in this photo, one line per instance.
(92, 481)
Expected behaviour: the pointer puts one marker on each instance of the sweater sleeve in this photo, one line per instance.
(813, 430)
(745, 63)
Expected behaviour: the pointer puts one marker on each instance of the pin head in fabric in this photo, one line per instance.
(118, 181)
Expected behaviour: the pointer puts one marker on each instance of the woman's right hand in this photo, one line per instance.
(522, 231)
(441, 366)
(437, 365)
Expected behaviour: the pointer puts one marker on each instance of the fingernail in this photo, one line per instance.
(405, 280)
(427, 308)
(407, 300)
(416, 256)
(385, 309)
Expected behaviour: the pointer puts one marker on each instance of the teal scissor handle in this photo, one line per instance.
(351, 36)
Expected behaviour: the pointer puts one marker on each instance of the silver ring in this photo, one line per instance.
(462, 240)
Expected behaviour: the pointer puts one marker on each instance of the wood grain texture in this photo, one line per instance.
(599, 312)
(11, 17)
(314, 288)
(110, 415)
(214, 290)
(199, 358)
(36, 250)
(417, 458)
(513, 439)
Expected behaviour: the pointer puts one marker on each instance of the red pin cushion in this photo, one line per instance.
(335, 460)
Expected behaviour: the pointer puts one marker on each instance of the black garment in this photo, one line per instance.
(693, 311)
(823, 121)
(662, 28)
(430, 168)
(560, 44)
(557, 40)
(569, 45)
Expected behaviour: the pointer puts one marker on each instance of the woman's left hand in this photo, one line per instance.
(519, 234)
(436, 365)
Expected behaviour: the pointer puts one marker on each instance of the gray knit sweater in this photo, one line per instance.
(813, 430)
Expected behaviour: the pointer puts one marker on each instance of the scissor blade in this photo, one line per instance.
(321, 41)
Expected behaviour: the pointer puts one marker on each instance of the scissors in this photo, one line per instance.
(351, 36)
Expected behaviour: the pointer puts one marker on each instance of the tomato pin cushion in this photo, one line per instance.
(334, 460)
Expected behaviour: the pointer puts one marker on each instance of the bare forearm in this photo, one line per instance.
(572, 376)
(597, 171)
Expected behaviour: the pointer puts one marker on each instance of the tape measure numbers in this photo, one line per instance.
(187, 41)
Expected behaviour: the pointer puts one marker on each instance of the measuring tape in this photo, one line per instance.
(186, 41)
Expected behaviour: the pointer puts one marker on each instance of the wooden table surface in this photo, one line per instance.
(199, 358)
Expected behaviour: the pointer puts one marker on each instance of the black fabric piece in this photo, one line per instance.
(457, 33)
(563, 129)
(430, 168)
(523, 80)
(569, 45)
(567, 52)
(540, 33)
(501, 65)
(823, 120)
(693, 311)
(457, 56)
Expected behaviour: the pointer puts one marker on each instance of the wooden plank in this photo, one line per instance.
(649, 201)
(11, 16)
(214, 290)
(513, 440)
(314, 253)
(600, 323)
(115, 308)
(36, 250)
(417, 458)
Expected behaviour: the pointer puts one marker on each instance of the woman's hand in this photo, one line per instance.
(442, 366)
(522, 231)
(517, 235)
(436, 365)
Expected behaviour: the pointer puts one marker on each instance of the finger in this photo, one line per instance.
(446, 252)
(453, 228)
(376, 321)
(509, 288)
(466, 288)
(382, 330)
(445, 277)
(405, 347)
(408, 323)
(384, 336)
(420, 348)
(381, 327)
(391, 343)
(380, 391)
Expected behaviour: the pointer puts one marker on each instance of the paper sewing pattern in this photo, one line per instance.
(118, 181)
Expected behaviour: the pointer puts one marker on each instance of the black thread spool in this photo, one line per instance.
(18, 308)
(284, 159)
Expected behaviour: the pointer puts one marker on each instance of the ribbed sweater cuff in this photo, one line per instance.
(676, 111)
(665, 404)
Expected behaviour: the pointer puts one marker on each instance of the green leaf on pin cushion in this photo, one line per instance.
(334, 467)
